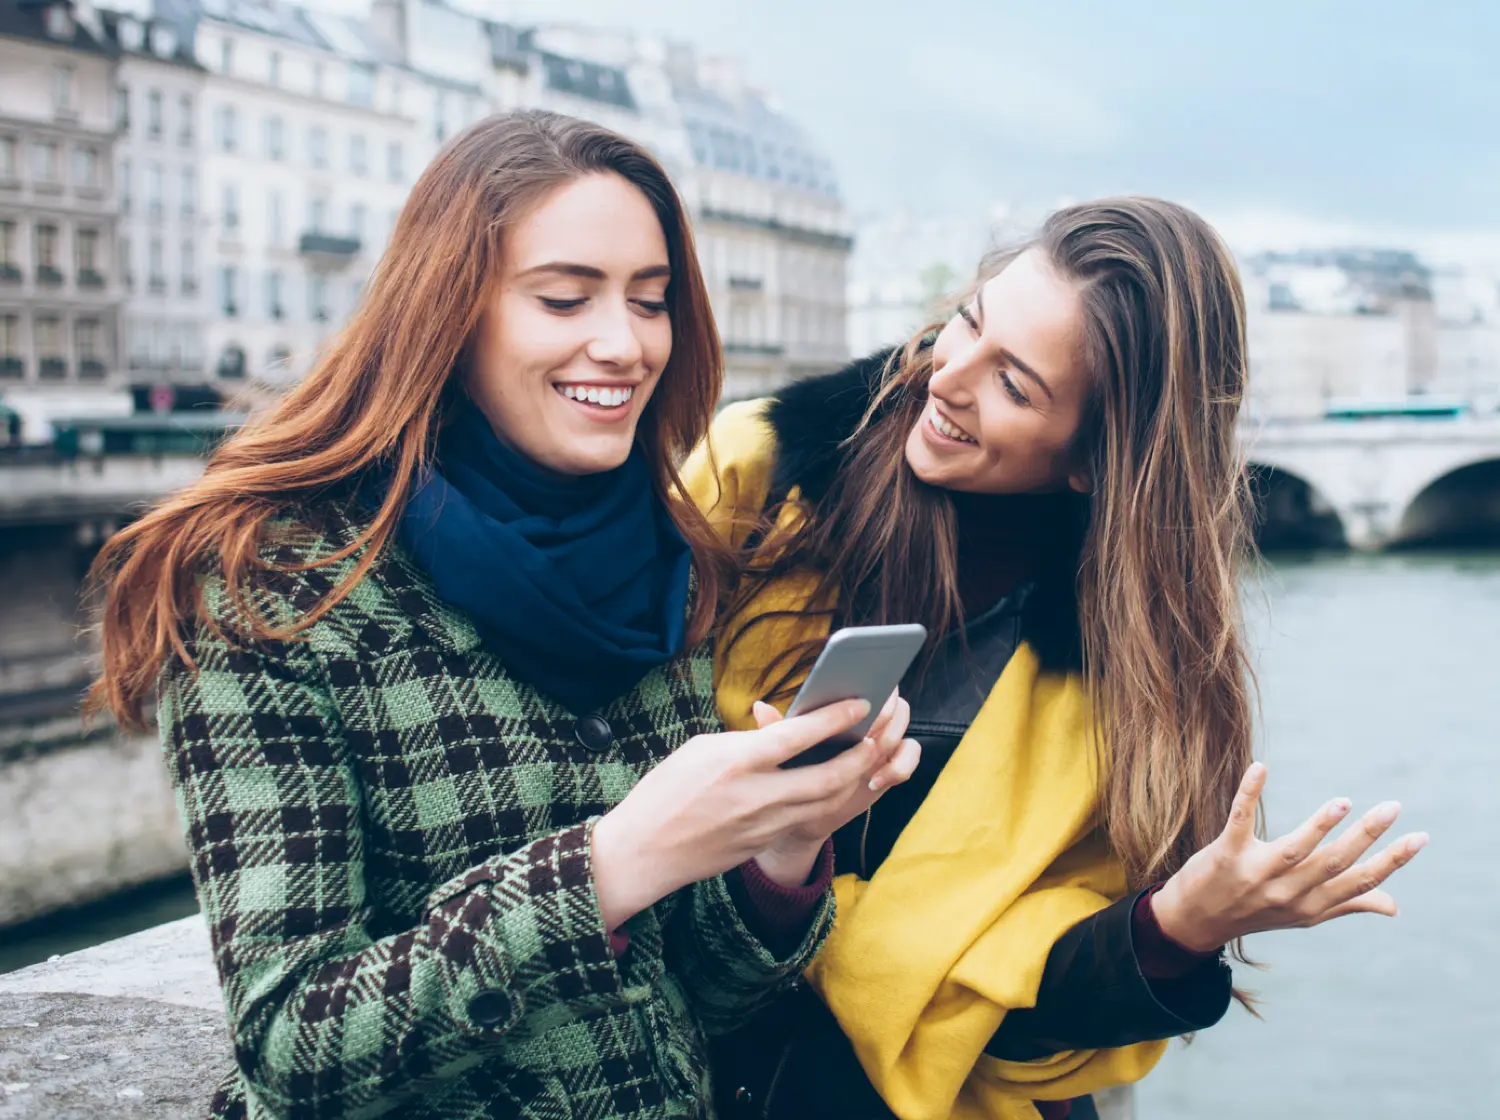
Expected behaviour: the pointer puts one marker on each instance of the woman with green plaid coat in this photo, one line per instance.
(428, 650)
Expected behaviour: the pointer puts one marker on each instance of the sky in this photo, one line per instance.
(1285, 121)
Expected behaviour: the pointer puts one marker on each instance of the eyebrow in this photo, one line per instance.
(1007, 355)
(589, 272)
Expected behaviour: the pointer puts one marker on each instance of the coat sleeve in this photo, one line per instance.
(1095, 996)
(326, 1017)
(728, 972)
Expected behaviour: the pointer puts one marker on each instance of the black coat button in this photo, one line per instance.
(594, 733)
(489, 1007)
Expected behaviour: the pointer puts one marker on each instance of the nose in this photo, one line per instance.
(615, 342)
(953, 381)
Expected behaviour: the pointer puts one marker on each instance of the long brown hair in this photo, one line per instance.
(375, 401)
(1167, 530)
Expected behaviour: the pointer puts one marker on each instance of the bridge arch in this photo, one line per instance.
(1460, 506)
(1290, 512)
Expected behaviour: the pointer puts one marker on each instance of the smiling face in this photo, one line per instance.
(1008, 388)
(577, 331)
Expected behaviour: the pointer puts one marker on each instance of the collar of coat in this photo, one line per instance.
(813, 417)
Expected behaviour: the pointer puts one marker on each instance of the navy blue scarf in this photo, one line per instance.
(579, 585)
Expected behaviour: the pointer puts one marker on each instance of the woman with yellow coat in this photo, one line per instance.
(1050, 483)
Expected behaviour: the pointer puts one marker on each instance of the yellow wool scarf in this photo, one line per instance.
(1003, 857)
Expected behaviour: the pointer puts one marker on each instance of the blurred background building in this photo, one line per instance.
(193, 193)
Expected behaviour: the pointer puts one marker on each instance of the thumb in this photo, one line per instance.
(765, 715)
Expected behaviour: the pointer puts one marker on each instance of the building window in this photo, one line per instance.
(186, 110)
(127, 269)
(155, 204)
(275, 309)
(9, 165)
(47, 270)
(9, 270)
(156, 271)
(317, 79)
(86, 249)
(189, 269)
(317, 299)
(125, 177)
(51, 365)
(357, 221)
(189, 192)
(86, 349)
(273, 217)
(232, 362)
(273, 68)
(122, 107)
(439, 115)
(361, 84)
(226, 56)
(44, 162)
(228, 291)
(395, 163)
(86, 168)
(153, 114)
(317, 146)
(358, 160)
(275, 138)
(228, 128)
(231, 208)
(62, 90)
(12, 366)
(317, 214)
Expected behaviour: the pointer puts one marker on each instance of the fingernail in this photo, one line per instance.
(876, 785)
(1340, 806)
(1417, 843)
(1387, 812)
(862, 707)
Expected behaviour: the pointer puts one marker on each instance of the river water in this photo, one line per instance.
(1380, 678)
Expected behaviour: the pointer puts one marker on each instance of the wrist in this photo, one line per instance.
(789, 865)
(628, 876)
(1177, 922)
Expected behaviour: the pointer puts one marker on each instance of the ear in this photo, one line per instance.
(1079, 482)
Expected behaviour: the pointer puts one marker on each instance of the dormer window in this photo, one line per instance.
(59, 21)
(131, 33)
(163, 42)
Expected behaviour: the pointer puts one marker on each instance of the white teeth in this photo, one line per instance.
(941, 424)
(604, 398)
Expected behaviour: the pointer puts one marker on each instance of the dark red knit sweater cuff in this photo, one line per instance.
(782, 912)
(1159, 956)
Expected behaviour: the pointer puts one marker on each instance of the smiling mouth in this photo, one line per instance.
(949, 430)
(598, 396)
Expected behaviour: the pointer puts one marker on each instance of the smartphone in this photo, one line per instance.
(858, 663)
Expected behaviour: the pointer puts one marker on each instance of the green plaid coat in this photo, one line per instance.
(389, 835)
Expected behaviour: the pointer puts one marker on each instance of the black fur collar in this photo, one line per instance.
(813, 417)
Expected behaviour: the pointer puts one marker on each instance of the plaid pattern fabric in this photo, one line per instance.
(389, 836)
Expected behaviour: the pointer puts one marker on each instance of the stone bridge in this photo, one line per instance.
(1374, 483)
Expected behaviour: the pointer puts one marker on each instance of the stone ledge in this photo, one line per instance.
(131, 1028)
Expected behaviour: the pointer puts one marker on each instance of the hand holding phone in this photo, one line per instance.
(858, 663)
